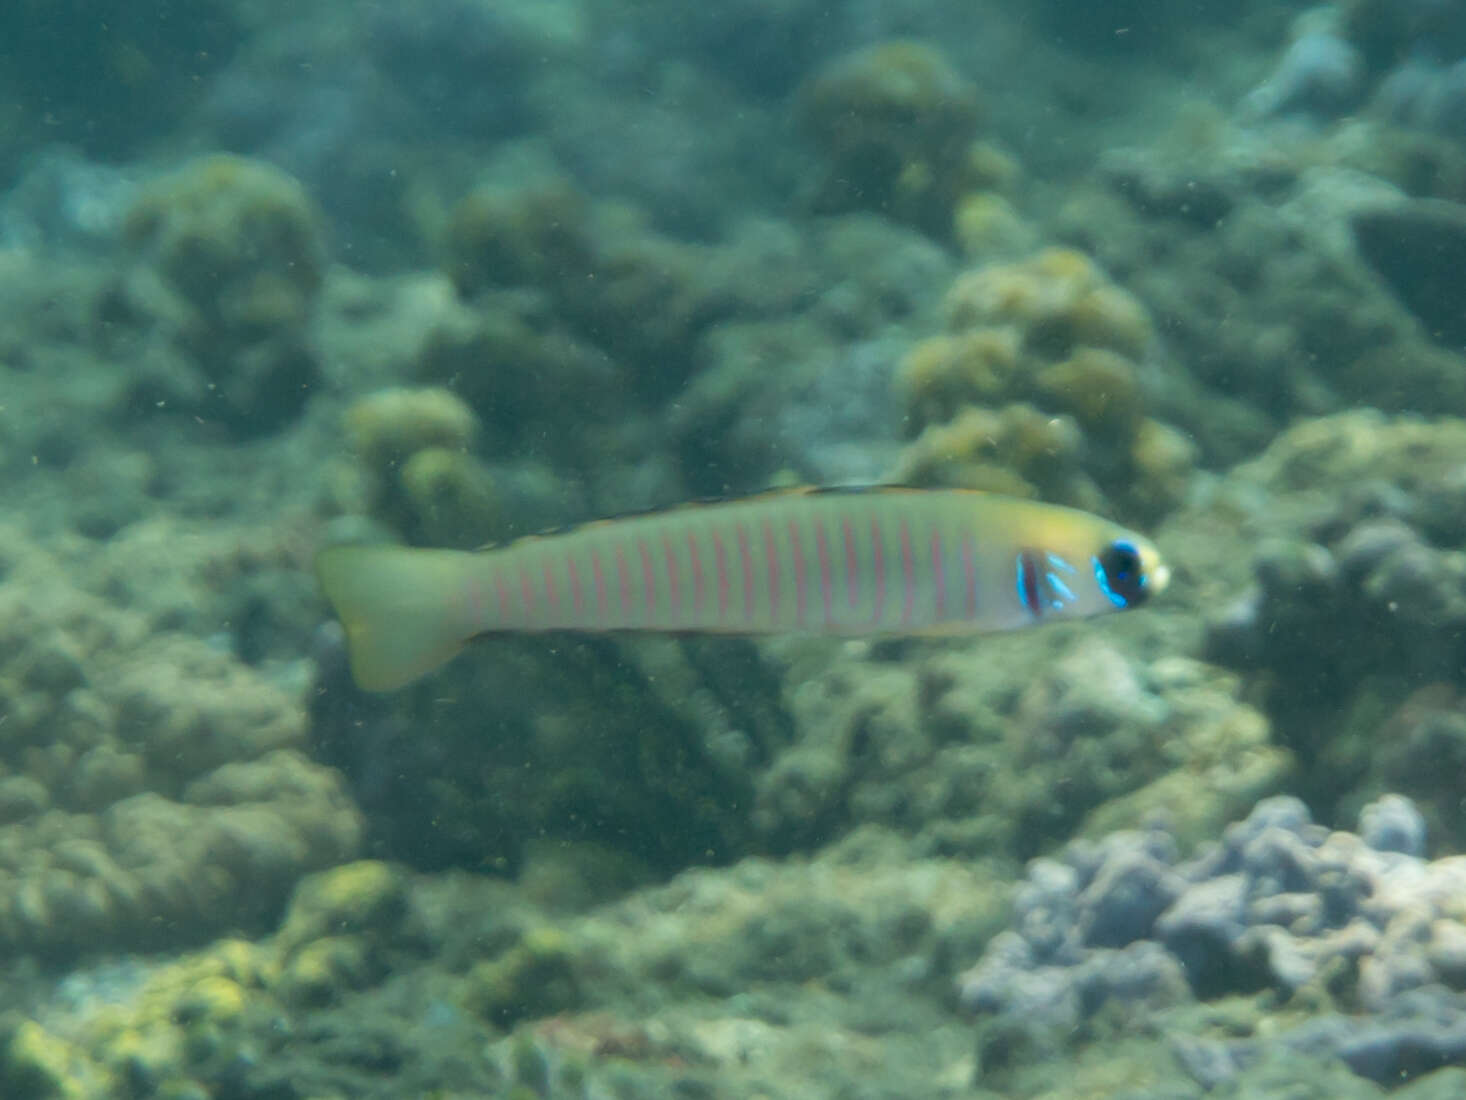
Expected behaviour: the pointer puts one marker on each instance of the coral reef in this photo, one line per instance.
(963, 749)
(583, 259)
(201, 1023)
(1345, 610)
(152, 787)
(1036, 388)
(783, 979)
(636, 295)
(578, 328)
(526, 375)
(1416, 247)
(1390, 32)
(418, 474)
(1281, 312)
(800, 384)
(1358, 924)
(378, 983)
(224, 263)
(897, 125)
(649, 742)
(1406, 59)
(765, 46)
(1321, 72)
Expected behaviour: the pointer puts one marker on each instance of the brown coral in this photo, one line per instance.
(151, 781)
(896, 124)
(1035, 388)
(225, 260)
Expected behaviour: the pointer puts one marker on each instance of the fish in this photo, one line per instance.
(872, 561)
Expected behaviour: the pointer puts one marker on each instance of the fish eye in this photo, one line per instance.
(1121, 573)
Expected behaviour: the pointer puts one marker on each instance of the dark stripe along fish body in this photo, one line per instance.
(841, 562)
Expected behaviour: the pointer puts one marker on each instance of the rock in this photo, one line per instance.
(1393, 824)
(1121, 904)
(1280, 904)
(1417, 247)
(224, 267)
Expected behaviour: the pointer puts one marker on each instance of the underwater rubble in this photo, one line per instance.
(1359, 926)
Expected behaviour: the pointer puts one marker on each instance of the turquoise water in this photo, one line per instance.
(275, 276)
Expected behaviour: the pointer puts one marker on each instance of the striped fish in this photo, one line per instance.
(821, 561)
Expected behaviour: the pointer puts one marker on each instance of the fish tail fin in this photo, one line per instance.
(403, 609)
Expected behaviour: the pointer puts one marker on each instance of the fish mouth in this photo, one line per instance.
(1156, 572)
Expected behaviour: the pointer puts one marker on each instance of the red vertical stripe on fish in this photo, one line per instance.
(745, 557)
(720, 556)
(939, 575)
(969, 572)
(552, 593)
(648, 581)
(908, 575)
(800, 593)
(852, 564)
(501, 589)
(526, 592)
(878, 567)
(771, 553)
(822, 551)
(476, 599)
(697, 587)
(674, 587)
(623, 577)
(599, 576)
(577, 595)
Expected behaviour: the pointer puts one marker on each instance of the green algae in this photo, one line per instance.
(896, 122)
(225, 260)
(1033, 388)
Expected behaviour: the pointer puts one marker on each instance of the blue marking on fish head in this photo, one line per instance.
(1119, 569)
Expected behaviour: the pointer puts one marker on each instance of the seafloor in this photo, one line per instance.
(275, 273)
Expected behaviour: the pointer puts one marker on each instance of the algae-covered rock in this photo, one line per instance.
(1006, 747)
(1345, 929)
(649, 744)
(807, 389)
(633, 293)
(185, 1025)
(366, 897)
(1289, 281)
(536, 977)
(1017, 450)
(1343, 602)
(896, 124)
(456, 983)
(184, 709)
(987, 225)
(1037, 388)
(415, 448)
(38, 1065)
(535, 385)
(540, 236)
(224, 265)
(152, 785)
(388, 427)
